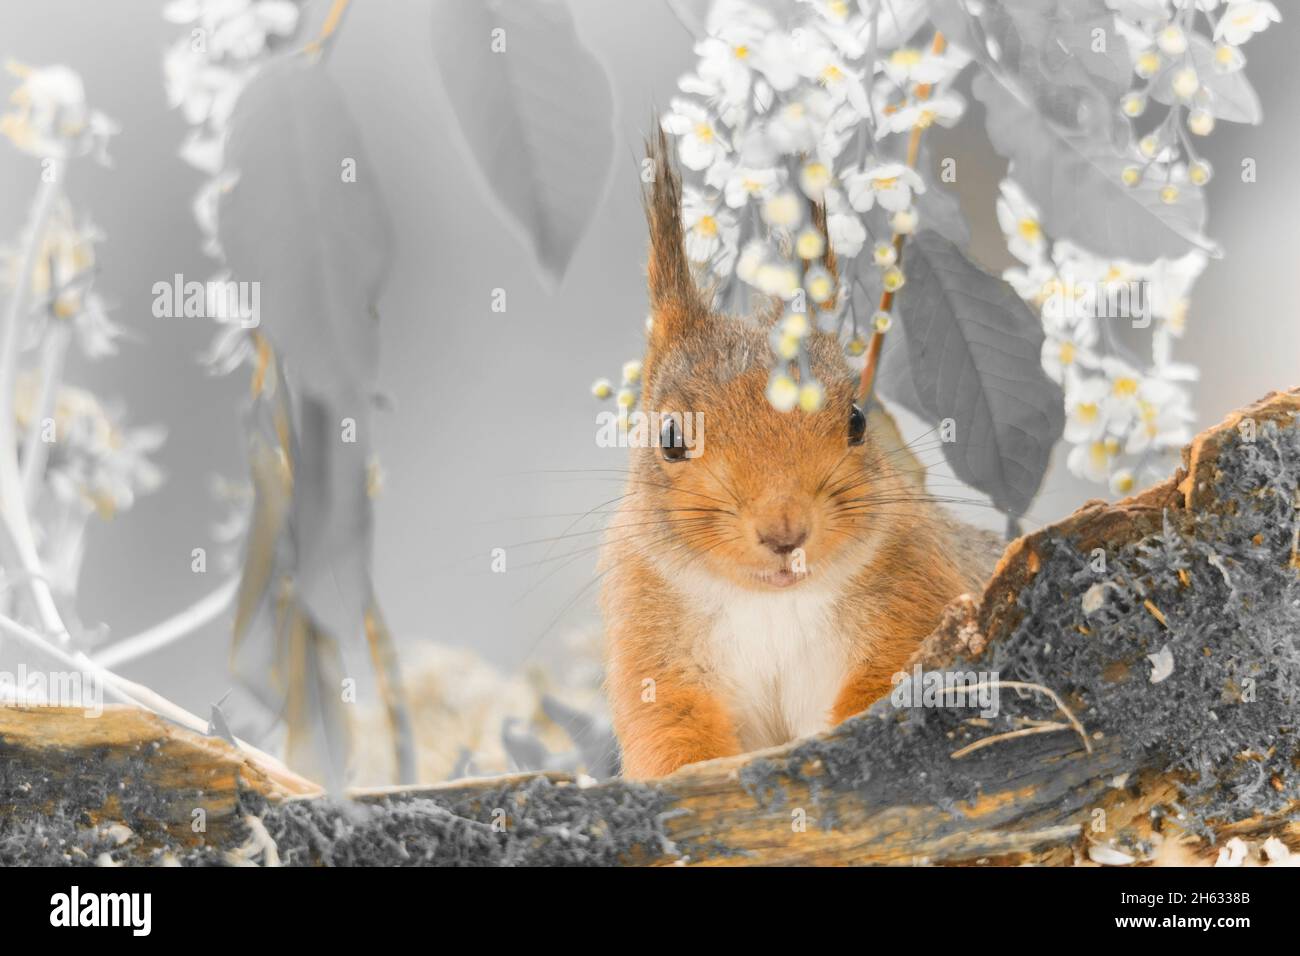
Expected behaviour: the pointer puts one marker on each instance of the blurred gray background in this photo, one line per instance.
(493, 423)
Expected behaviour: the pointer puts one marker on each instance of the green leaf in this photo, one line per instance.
(974, 349)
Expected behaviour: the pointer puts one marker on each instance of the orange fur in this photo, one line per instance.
(695, 586)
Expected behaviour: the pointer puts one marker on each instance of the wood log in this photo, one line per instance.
(1145, 658)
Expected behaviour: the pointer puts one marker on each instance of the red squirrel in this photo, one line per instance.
(770, 586)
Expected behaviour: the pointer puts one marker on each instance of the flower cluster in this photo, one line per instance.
(205, 72)
(1122, 413)
(49, 117)
(97, 465)
(75, 458)
(61, 283)
(1197, 75)
(782, 117)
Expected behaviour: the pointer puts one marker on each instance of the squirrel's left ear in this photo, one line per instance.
(675, 303)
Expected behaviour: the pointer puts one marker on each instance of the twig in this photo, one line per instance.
(688, 22)
(1010, 734)
(333, 20)
(36, 451)
(19, 540)
(1026, 685)
(388, 675)
(868, 380)
(202, 612)
(142, 696)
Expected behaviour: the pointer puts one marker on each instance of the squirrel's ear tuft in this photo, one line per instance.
(675, 302)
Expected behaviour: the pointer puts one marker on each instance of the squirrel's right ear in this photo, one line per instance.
(675, 302)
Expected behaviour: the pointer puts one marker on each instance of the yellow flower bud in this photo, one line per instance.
(601, 388)
(1133, 104)
(812, 396)
(893, 279)
(782, 392)
(1200, 122)
(809, 244)
(1185, 83)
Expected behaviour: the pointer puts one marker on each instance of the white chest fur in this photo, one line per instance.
(777, 659)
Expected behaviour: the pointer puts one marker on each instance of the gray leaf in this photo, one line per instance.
(318, 246)
(1045, 47)
(1232, 98)
(537, 117)
(332, 516)
(1074, 179)
(974, 348)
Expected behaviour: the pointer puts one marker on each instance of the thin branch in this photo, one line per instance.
(868, 380)
(142, 696)
(36, 451)
(19, 540)
(199, 614)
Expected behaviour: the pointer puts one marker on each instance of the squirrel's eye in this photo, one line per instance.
(670, 440)
(857, 425)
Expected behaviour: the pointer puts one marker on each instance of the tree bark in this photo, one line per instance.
(1093, 756)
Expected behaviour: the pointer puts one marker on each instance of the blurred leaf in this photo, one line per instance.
(938, 208)
(1231, 97)
(306, 584)
(319, 245)
(894, 380)
(331, 516)
(974, 349)
(1046, 48)
(319, 735)
(538, 117)
(1074, 179)
(593, 736)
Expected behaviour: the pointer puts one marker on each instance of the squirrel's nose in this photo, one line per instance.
(783, 540)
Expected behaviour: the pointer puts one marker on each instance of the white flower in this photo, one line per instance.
(838, 78)
(797, 127)
(699, 144)
(740, 184)
(1169, 284)
(847, 234)
(1122, 481)
(1122, 401)
(912, 65)
(1085, 417)
(750, 260)
(1064, 352)
(711, 231)
(891, 185)
(1033, 284)
(1092, 459)
(943, 107)
(1243, 19)
(235, 28)
(51, 119)
(1019, 220)
(1164, 418)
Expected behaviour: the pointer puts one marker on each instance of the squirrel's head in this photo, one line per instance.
(762, 498)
